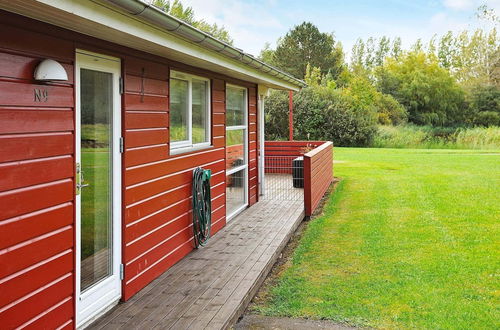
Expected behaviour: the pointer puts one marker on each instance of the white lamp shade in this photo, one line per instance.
(50, 70)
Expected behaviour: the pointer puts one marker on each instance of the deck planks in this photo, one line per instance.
(211, 287)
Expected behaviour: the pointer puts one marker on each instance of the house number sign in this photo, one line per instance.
(41, 95)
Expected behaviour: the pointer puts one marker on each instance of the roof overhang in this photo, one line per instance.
(104, 20)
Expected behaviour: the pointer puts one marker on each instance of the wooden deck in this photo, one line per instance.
(211, 287)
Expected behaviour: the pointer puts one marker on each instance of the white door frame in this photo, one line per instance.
(99, 298)
(245, 152)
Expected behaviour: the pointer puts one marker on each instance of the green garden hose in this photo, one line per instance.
(202, 206)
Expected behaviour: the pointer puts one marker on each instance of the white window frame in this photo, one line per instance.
(245, 151)
(188, 145)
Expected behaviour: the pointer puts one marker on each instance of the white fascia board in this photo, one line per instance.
(103, 21)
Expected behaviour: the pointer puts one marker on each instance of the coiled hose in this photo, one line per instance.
(202, 206)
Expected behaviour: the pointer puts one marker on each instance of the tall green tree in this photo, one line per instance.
(358, 53)
(382, 51)
(305, 44)
(428, 91)
(396, 48)
(186, 14)
(267, 54)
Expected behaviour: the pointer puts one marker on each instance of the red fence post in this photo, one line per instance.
(290, 115)
(307, 186)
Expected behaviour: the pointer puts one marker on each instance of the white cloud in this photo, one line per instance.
(250, 24)
(463, 5)
(460, 4)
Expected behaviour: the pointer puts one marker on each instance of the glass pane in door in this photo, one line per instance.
(235, 148)
(96, 179)
(235, 191)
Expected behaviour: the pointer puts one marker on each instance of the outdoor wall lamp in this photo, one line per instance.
(50, 70)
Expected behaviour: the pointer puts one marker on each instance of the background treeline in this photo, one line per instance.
(444, 93)
(430, 93)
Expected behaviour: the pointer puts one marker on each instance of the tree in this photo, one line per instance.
(370, 53)
(396, 48)
(267, 54)
(472, 57)
(358, 53)
(305, 44)
(382, 50)
(429, 92)
(186, 14)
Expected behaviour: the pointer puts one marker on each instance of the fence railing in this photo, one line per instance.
(318, 175)
(298, 170)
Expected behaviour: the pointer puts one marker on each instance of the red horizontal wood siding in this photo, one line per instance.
(318, 175)
(157, 186)
(37, 142)
(36, 184)
(253, 142)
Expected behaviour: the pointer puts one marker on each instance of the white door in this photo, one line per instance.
(98, 195)
(236, 150)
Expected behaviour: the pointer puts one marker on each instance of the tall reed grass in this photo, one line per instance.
(427, 137)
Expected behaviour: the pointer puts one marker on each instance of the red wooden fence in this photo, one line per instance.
(318, 175)
(318, 166)
(280, 154)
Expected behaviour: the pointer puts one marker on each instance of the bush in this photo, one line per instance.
(487, 118)
(484, 105)
(390, 111)
(321, 113)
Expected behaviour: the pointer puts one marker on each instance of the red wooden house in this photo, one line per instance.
(106, 107)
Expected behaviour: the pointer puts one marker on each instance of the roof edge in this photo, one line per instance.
(182, 29)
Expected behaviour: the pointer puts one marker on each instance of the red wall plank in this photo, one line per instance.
(28, 226)
(138, 84)
(21, 94)
(39, 197)
(30, 121)
(146, 102)
(144, 137)
(20, 174)
(147, 154)
(32, 146)
(145, 120)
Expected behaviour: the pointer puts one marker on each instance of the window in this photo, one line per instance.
(236, 150)
(189, 112)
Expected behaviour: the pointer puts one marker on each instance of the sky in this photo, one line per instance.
(252, 23)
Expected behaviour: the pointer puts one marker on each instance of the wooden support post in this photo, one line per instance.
(290, 115)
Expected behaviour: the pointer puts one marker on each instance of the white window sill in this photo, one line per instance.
(186, 149)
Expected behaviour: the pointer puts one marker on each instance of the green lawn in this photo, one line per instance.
(95, 200)
(410, 239)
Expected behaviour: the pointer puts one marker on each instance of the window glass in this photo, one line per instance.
(179, 110)
(235, 106)
(200, 91)
(235, 148)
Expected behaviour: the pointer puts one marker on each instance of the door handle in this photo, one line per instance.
(79, 179)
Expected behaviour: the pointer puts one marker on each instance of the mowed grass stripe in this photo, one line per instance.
(408, 240)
